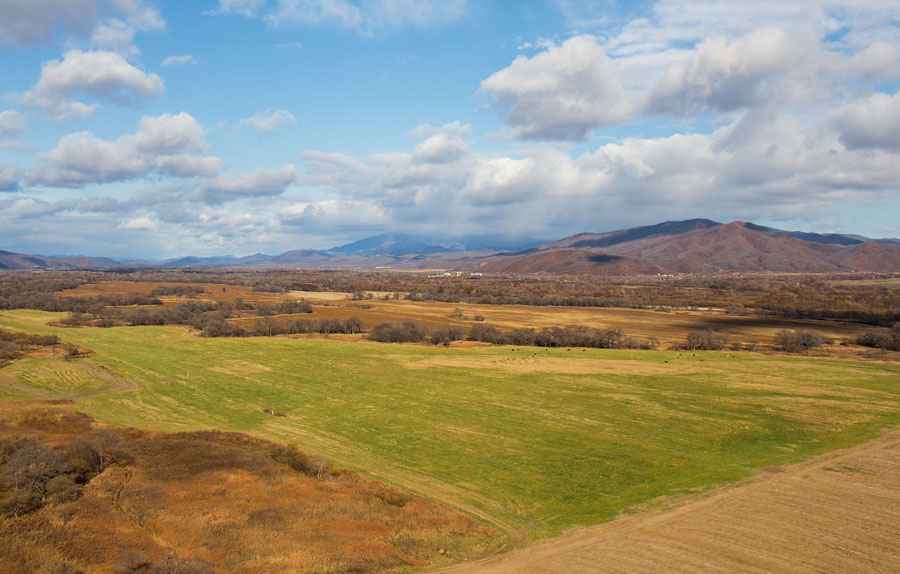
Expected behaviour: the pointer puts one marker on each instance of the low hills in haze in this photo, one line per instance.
(691, 246)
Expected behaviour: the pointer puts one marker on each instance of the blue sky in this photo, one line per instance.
(139, 128)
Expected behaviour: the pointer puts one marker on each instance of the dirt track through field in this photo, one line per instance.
(837, 513)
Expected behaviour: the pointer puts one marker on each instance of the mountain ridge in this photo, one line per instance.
(688, 246)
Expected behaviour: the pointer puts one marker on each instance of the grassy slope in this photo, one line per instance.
(535, 451)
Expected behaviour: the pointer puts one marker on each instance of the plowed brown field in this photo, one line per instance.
(837, 513)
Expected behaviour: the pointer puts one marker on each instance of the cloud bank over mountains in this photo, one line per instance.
(785, 111)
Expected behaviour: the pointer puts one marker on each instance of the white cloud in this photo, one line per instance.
(12, 123)
(10, 177)
(116, 36)
(563, 92)
(671, 23)
(249, 8)
(179, 60)
(766, 67)
(106, 76)
(29, 208)
(367, 16)
(31, 22)
(139, 224)
(166, 144)
(690, 59)
(139, 14)
(764, 164)
(268, 121)
(871, 122)
(260, 182)
(333, 215)
(446, 144)
(723, 75)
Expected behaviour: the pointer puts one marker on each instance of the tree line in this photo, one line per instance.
(570, 336)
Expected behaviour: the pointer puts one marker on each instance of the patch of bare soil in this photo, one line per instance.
(536, 362)
(837, 513)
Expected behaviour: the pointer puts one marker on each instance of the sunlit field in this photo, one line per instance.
(531, 440)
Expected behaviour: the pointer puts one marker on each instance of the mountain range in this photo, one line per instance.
(691, 246)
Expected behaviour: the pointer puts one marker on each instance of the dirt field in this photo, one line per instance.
(837, 513)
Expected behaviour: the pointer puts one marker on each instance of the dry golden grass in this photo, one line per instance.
(214, 291)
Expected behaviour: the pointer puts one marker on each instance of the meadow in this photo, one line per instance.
(532, 441)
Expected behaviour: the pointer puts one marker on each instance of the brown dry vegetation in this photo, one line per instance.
(213, 291)
(218, 502)
(669, 327)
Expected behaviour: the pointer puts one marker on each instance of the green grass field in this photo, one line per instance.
(534, 440)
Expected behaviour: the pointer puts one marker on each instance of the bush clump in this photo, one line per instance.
(798, 341)
(881, 338)
(394, 332)
(705, 340)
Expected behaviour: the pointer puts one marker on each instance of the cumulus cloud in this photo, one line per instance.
(115, 36)
(34, 22)
(37, 21)
(249, 8)
(766, 67)
(687, 60)
(763, 164)
(30, 208)
(12, 123)
(179, 60)
(10, 178)
(367, 16)
(726, 76)
(261, 182)
(268, 121)
(871, 122)
(139, 224)
(442, 145)
(334, 215)
(677, 23)
(563, 92)
(105, 76)
(167, 144)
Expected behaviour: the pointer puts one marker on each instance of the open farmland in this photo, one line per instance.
(666, 326)
(531, 440)
(835, 513)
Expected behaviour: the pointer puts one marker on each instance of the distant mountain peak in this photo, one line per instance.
(390, 243)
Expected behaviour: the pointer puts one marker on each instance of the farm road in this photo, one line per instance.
(836, 513)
